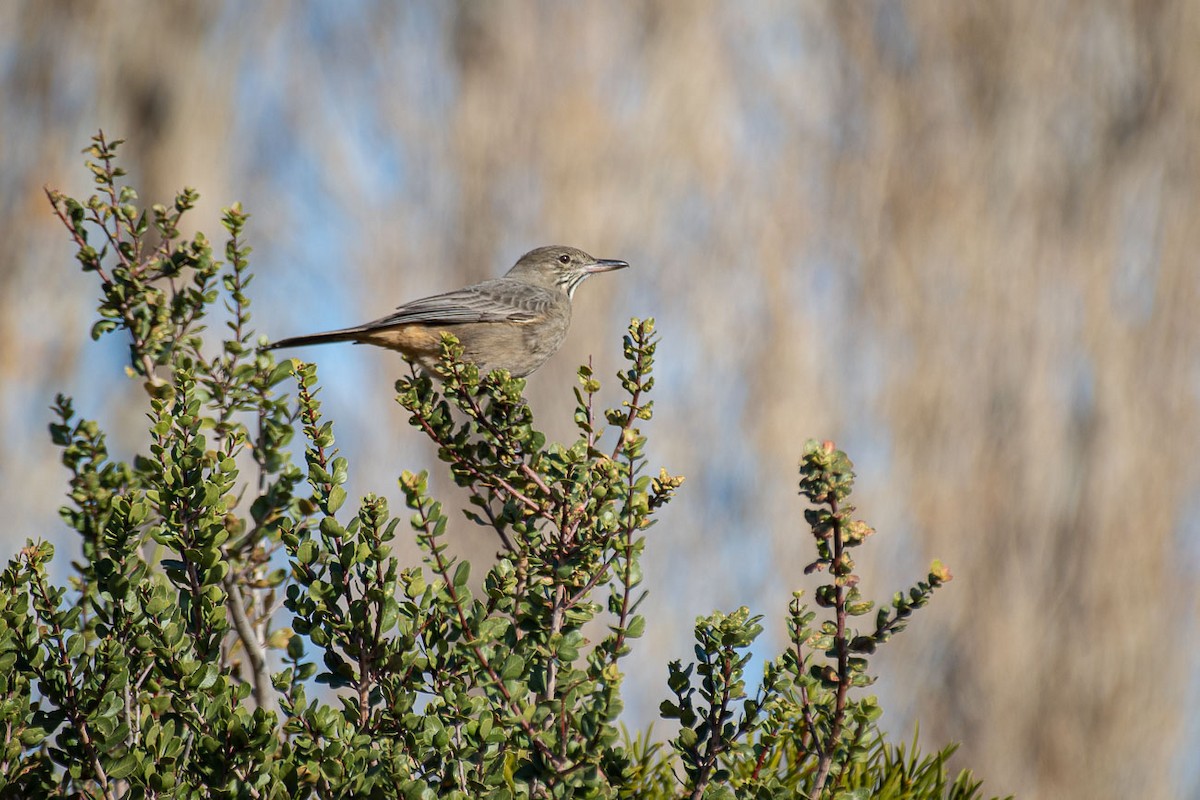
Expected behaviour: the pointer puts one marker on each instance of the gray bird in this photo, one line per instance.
(513, 323)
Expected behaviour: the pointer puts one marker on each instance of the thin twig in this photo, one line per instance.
(843, 655)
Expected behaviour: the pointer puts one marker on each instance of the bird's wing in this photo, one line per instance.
(497, 300)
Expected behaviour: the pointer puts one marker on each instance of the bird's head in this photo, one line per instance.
(562, 268)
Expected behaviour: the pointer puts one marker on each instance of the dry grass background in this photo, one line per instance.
(957, 237)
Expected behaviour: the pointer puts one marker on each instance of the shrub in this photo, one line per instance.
(208, 604)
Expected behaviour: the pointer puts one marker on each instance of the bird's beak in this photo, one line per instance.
(605, 265)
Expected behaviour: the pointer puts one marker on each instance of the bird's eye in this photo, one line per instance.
(564, 259)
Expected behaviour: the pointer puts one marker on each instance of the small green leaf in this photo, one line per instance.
(337, 496)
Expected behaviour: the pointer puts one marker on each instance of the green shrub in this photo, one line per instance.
(168, 667)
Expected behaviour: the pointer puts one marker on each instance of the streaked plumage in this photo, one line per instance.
(514, 323)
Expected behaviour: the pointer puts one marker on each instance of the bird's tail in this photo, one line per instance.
(343, 335)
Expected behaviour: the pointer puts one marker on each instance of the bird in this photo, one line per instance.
(512, 323)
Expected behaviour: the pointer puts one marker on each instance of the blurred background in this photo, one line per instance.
(958, 238)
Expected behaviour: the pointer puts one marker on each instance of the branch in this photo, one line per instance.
(139, 344)
(714, 746)
(255, 651)
(442, 568)
(843, 654)
(77, 718)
